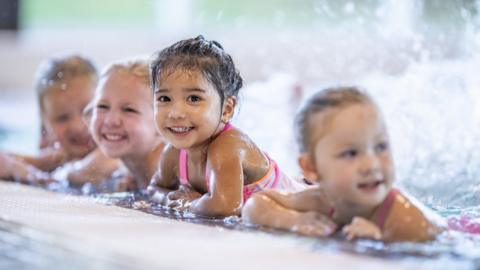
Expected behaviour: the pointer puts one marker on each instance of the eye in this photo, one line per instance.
(349, 154)
(381, 147)
(163, 99)
(194, 98)
(102, 107)
(130, 110)
(62, 118)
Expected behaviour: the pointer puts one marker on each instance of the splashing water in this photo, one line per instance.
(421, 70)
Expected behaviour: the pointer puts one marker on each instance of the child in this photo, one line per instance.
(64, 87)
(208, 165)
(122, 125)
(345, 150)
(95, 167)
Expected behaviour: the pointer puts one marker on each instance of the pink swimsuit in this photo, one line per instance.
(384, 208)
(274, 179)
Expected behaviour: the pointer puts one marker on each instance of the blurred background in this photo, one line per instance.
(418, 58)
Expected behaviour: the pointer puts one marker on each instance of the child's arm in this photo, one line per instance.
(410, 220)
(225, 196)
(282, 211)
(93, 168)
(48, 160)
(165, 179)
(14, 170)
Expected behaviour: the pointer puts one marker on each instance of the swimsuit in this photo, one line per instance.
(273, 179)
(383, 211)
(385, 208)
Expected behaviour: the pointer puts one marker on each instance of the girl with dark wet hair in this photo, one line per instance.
(208, 166)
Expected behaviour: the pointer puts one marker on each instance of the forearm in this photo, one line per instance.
(92, 173)
(206, 205)
(44, 162)
(263, 210)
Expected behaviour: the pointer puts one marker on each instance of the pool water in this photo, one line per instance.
(424, 78)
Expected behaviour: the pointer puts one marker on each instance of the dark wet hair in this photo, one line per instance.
(58, 69)
(330, 98)
(206, 56)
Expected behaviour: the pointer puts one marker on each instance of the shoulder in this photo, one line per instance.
(229, 144)
(410, 220)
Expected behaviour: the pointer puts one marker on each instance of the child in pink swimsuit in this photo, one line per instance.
(208, 166)
(345, 152)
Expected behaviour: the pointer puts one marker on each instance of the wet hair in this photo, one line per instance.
(137, 67)
(206, 56)
(322, 101)
(59, 69)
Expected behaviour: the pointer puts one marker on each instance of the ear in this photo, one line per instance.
(228, 108)
(308, 168)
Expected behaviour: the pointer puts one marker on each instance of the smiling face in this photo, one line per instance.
(188, 110)
(122, 120)
(352, 160)
(62, 108)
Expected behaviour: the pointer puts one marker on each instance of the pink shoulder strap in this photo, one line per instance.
(385, 207)
(227, 127)
(182, 163)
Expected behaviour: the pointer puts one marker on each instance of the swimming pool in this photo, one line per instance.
(32, 220)
(43, 229)
(426, 83)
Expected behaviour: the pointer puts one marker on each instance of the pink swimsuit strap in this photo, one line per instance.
(385, 207)
(183, 160)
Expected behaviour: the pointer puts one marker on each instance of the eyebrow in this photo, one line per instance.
(193, 89)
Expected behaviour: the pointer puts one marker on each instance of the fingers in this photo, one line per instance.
(361, 228)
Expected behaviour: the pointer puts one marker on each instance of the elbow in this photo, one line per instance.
(210, 207)
(255, 208)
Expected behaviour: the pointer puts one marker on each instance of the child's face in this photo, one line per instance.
(352, 159)
(122, 121)
(187, 109)
(62, 107)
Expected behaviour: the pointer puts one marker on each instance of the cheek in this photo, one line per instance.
(96, 123)
(159, 117)
(60, 130)
(212, 112)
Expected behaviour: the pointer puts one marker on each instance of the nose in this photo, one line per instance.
(177, 111)
(370, 165)
(112, 119)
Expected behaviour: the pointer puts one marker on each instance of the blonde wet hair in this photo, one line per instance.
(322, 102)
(137, 67)
(59, 69)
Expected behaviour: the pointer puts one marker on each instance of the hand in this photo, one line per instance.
(362, 228)
(314, 224)
(181, 198)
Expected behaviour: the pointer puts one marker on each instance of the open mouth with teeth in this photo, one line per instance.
(370, 186)
(180, 131)
(113, 137)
